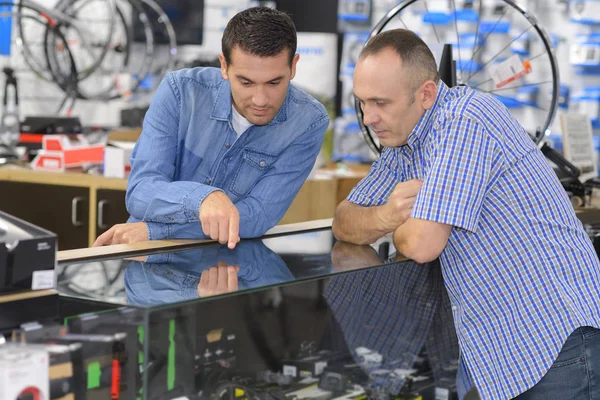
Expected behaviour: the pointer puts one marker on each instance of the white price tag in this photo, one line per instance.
(585, 10)
(584, 54)
(591, 108)
(509, 70)
(289, 370)
(42, 280)
(439, 6)
(319, 367)
(578, 144)
(442, 394)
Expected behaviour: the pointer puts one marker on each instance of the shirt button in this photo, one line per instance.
(262, 163)
(454, 308)
(227, 146)
(208, 181)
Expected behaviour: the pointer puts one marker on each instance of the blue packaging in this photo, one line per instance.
(596, 141)
(5, 29)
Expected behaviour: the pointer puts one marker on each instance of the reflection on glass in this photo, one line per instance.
(390, 318)
(203, 272)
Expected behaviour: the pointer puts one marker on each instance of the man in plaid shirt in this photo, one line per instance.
(461, 180)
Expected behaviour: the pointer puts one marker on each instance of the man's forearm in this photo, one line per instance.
(358, 224)
(421, 240)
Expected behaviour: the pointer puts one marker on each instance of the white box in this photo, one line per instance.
(23, 370)
(116, 159)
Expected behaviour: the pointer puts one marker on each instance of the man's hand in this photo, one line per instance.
(399, 206)
(218, 280)
(220, 219)
(122, 234)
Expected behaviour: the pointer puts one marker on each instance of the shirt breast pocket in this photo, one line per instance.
(253, 166)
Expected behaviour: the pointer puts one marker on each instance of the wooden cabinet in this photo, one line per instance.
(110, 209)
(63, 210)
(79, 207)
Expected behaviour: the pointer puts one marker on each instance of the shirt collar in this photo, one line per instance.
(222, 105)
(424, 125)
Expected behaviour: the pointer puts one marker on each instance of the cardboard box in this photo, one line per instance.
(60, 152)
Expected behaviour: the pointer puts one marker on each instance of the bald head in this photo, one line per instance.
(418, 63)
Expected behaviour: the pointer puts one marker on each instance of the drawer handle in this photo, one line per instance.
(74, 203)
(100, 221)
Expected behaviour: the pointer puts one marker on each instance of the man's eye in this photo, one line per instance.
(380, 103)
(275, 83)
(246, 83)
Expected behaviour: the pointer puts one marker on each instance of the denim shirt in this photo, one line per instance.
(188, 149)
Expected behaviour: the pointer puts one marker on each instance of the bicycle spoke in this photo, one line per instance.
(488, 35)
(520, 102)
(541, 54)
(457, 36)
(405, 27)
(475, 43)
(500, 52)
(431, 21)
(482, 83)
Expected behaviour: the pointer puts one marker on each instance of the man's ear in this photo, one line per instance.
(223, 66)
(429, 90)
(294, 62)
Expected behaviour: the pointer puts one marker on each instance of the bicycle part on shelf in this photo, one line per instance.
(104, 67)
(9, 119)
(67, 81)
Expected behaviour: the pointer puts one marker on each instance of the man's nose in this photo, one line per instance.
(260, 98)
(369, 117)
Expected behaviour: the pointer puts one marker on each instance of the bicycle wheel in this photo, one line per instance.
(483, 38)
(105, 83)
(82, 35)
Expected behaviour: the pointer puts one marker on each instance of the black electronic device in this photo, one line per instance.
(126, 321)
(187, 17)
(133, 117)
(447, 67)
(27, 255)
(51, 125)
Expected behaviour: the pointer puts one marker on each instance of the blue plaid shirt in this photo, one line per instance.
(520, 270)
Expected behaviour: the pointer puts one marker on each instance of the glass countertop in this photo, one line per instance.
(207, 270)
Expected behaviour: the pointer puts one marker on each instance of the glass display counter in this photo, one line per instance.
(294, 316)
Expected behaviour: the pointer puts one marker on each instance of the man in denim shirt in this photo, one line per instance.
(223, 153)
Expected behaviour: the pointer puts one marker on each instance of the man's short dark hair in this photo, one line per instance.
(414, 53)
(260, 31)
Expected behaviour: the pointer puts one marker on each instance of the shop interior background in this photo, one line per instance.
(330, 35)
